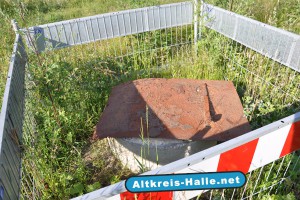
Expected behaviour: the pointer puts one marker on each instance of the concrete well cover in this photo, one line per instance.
(173, 108)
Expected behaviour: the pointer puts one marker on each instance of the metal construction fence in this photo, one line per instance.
(11, 124)
(167, 35)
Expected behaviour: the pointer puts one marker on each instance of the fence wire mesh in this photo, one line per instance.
(67, 89)
(277, 180)
(11, 124)
(88, 72)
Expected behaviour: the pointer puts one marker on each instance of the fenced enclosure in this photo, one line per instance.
(64, 90)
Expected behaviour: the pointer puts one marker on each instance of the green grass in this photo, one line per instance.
(80, 83)
(36, 12)
(79, 86)
(68, 88)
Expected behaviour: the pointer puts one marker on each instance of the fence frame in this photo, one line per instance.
(10, 126)
(11, 123)
(202, 161)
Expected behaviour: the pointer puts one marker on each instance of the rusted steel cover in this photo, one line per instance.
(173, 108)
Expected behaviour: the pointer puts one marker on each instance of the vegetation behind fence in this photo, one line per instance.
(67, 90)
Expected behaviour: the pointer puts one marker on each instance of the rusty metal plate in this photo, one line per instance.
(173, 108)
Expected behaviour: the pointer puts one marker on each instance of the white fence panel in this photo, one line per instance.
(277, 44)
(110, 25)
(11, 122)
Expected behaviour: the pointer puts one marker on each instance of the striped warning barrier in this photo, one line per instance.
(245, 153)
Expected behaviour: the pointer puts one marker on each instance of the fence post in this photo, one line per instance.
(201, 18)
(15, 25)
(195, 24)
(198, 21)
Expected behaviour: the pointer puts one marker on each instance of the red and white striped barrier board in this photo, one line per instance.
(245, 153)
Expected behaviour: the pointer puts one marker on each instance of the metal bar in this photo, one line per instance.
(198, 158)
(195, 23)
